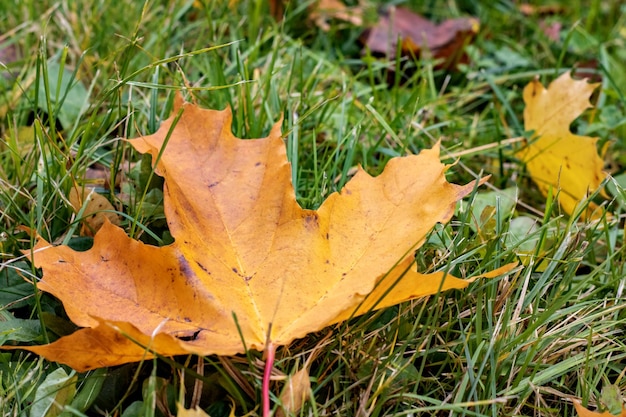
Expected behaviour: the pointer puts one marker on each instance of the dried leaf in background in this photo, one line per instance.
(323, 10)
(418, 36)
(94, 210)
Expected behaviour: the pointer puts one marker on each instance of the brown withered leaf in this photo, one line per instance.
(417, 35)
(296, 391)
(552, 30)
(94, 210)
(247, 262)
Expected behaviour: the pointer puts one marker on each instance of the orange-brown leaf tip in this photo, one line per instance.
(106, 344)
(179, 102)
(583, 412)
(277, 128)
(404, 283)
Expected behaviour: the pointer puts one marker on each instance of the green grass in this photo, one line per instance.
(89, 73)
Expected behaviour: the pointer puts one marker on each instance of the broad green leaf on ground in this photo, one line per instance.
(56, 391)
(247, 262)
(68, 97)
(14, 290)
(556, 158)
(19, 330)
(525, 239)
(611, 397)
(487, 207)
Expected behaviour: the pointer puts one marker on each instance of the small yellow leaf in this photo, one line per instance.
(296, 391)
(556, 158)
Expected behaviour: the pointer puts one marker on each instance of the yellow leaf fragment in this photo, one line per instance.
(247, 260)
(555, 157)
(192, 412)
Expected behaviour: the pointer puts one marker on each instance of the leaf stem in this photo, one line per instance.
(270, 349)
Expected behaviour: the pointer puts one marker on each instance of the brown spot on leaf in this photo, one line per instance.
(311, 220)
(202, 267)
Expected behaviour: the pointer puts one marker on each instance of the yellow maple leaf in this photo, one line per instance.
(247, 262)
(555, 157)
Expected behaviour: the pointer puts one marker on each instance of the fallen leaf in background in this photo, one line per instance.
(323, 10)
(555, 157)
(247, 262)
(552, 30)
(94, 210)
(589, 69)
(532, 10)
(417, 35)
(583, 412)
(8, 55)
(98, 175)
